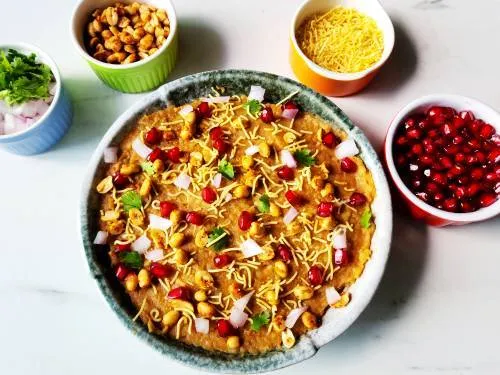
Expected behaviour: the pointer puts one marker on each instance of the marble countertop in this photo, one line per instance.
(437, 309)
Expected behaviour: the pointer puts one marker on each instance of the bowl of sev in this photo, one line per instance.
(338, 46)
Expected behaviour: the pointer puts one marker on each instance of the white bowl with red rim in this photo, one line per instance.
(418, 208)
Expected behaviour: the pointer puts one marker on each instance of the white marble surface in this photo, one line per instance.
(437, 309)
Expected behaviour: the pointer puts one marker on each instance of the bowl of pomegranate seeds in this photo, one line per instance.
(443, 153)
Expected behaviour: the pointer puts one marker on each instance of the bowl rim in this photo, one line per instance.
(343, 76)
(77, 15)
(46, 59)
(307, 344)
(428, 100)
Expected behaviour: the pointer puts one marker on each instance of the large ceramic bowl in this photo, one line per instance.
(335, 321)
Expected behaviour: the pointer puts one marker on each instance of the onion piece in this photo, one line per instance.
(101, 238)
(238, 318)
(332, 295)
(288, 159)
(202, 325)
(289, 114)
(340, 240)
(185, 110)
(216, 99)
(256, 93)
(346, 148)
(154, 255)
(250, 248)
(252, 150)
(110, 154)
(290, 215)
(159, 222)
(141, 244)
(241, 303)
(216, 181)
(294, 315)
(182, 181)
(140, 148)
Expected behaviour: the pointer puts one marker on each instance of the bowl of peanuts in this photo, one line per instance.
(130, 46)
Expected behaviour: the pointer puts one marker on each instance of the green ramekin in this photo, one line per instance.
(141, 76)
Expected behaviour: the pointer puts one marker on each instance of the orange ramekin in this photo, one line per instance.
(325, 81)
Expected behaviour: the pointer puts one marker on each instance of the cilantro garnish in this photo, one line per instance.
(131, 199)
(263, 204)
(366, 218)
(22, 78)
(260, 320)
(131, 259)
(218, 239)
(226, 169)
(304, 158)
(253, 107)
(148, 168)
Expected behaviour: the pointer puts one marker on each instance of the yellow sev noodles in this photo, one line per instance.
(341, 40)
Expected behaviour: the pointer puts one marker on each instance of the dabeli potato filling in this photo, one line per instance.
(233, 224)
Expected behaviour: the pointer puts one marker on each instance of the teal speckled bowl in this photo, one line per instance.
(335, 321)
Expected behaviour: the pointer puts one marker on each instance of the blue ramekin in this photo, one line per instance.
(51, 127)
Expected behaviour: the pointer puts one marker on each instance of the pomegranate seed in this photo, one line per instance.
(120, 180)
(466, 206)
(401, 160)
(433, 133)
(329, 140)
(357, 199)
(459, 157)
(222, 260)
(166, 208)
(424, 124)
(315, 275)
(410, 123)
(473, 189)
(341, 257)
(216, 133)
(467, 116)
(293, 198)
(224, 328)
(450, 204)
(208, 194)
(180, 292)
(438, 178)
(458, 140)
(286, 173)
(401, 141)
(486, 131)
(463, 180)
(491, 177)
(194, 218)
(203, 110)
(348, 165)
(474, 143)
(156, 154)
(153, 136)
(438, 197)
(245, 220)
(451, 149)
(448, 130)
(122, 247)
(160, 271)
(284, 253)
(426, 160)
(417, 149)
(220, 145)
(325, 209)
(290, 105)
(121, 272)
(456, 170)
(267, 115)
(487, 199)
(432, 187)
(446, 162)
(477, 174)
(174, 154)
(414, 133)
(460, 192)
(458, 122)
(494, 156)
(417, 183)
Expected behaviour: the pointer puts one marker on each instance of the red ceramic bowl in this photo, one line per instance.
(418, 208)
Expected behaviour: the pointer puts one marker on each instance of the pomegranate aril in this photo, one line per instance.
(450, 204)
(325, 209)
(180, 292)
(329, 140)
(448, 130)
(203, 110)
(156, 154)
(401, 141)
(121, 272)
(120, 181)
(438, 178)
(463, 180)
(341, 257)
(160, 271)
(220, 145)
(224, 328)
(245, 220)
(284, 253)
(477, 174)
(417, 149)
(166, 208)
(491, 177)
(348, 165)
(293, 198)
(216, 133)
(458, 122)
(487, 199)
(222, 260)
(473, 189)
(458, 140)
(459, 157)
(153, 136)
(460, 192)
(466, 206)
(315, 275)
(410, 123)
(174, 154)
(446, 162)
(486, 131)
(286, 173)
(432, 187)
(208, 194)
(122, 247)
(267, 115)
(425, 160)
(194, 218)
(357, 199)
(480, 156)
(290, 104)
(414, 133)
(438, 197)
(494, 156)
(474, 143)
(468, 116)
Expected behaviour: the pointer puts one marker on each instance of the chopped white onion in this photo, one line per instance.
(140, 148)
(216, 99)
(154, 255)
(14, 124)
(241, 303)
(332, 295)
(257, 93)
(182, 181)
(289, 114)
(159, 222)
(252, 150)
(202, 325)
(294, 315)
(216, 181)
(250, 248)
(101, 238)
(141, 244)
(413, 167)
(238, 318)
(340, 240)
(110, 154)
(185, 110)
(290, 215)
(288, 159)
(53, 88)
(346, 148)
(228, 197)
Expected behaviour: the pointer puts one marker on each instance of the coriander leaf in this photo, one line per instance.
(218, 239)
(260, 320)
(131, 259)
(304, 158)
(148, 168)
(131, 199)
(263, 204)
(226, 169)
(365, 218)
(253, 107)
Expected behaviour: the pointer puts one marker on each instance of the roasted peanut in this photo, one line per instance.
(181, 257)
(130, 169)
(249, 177)
(264, 150)
(327, 190)
(145, 187)
(309, 320)
(112, 16)
(267, 253)
(205, 309)
(270, 296)
(256, 229)
(114, 44)
(146, 42)
(158, 166)
(200, 296)
(317, 183)
(110, 215)
(170, 318)
(176, 239)
(130, 59)
(136, 216)
(287, 338)
(131, 282)
(201, 238)
(289, 137)
(116, 227)
(274, 210)
(233, 343)
(235, 289)
(196, 158)
(303, 292)
(105, 185)
(175, 216)
(144, 278)
(115, 30)
(280, 269)
(94, 42)
(116, 57)
(241, 191)
(203, 279)
(247, 161)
